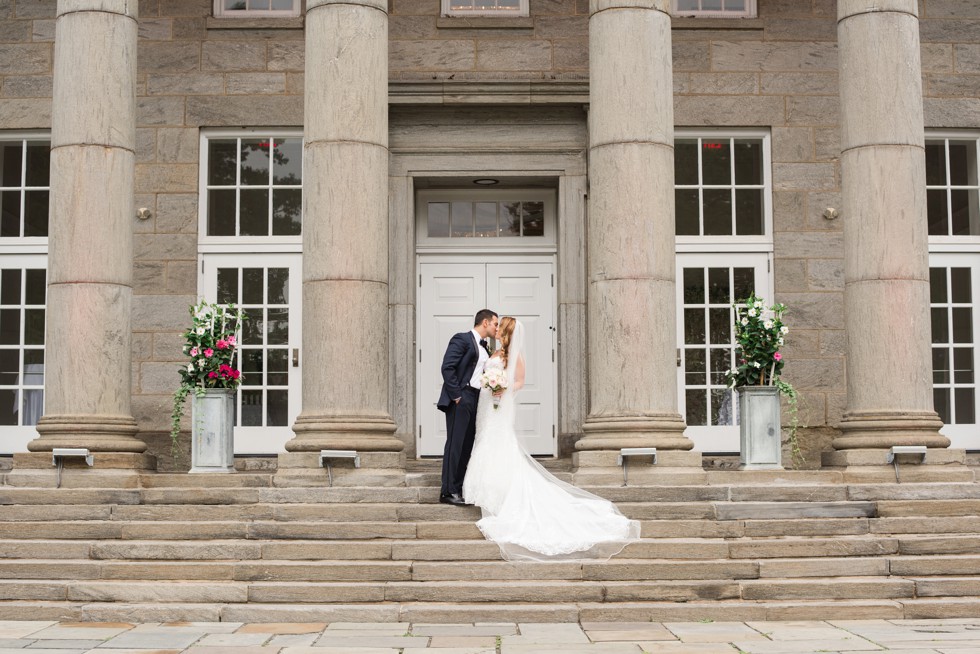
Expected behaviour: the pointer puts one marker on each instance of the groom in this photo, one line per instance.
(462, 366)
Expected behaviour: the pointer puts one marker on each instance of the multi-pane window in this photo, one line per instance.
(720, 186)
(485, 7)
(953, 186)
(720, 8)
(256, 8)
(24, 188)
(254, 186)
(22, 313)
(485, 219)
(953, 210)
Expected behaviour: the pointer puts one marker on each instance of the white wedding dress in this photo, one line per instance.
(527, 511)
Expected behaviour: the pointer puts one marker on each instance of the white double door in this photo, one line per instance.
(451, 291)
(268, 287)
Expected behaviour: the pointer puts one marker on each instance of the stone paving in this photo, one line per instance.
(954, 636)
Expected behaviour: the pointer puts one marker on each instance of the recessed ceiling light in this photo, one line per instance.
(486, 181)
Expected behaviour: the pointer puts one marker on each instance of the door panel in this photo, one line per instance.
(955, 309)
(708, 284)
(268, 288)
(449, 296)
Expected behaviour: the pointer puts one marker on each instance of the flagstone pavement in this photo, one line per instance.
(954, 636)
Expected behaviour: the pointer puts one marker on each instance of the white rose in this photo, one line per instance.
(200, 331)
(784, 329)
(745, 321)
(767, 324)
(753, 313)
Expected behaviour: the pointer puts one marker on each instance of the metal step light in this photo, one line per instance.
(626, 452)
(327, 455)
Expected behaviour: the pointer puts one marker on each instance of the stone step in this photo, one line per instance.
(924, 508)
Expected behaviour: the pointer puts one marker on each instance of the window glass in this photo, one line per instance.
(953, 187)
(254, 186)
(25, 166)
(252, 7)
(485, 7)
(465, 219)
(721, 187)
(723, 8)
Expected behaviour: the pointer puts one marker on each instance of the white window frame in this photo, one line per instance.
(522, 11)
(221, 12)
(542, 244)
(954, 243)
(750, 11)
(217, 244)
(26, 244)
(733, 243)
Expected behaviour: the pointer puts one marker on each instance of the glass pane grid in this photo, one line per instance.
(485, 219)
(249, 192)
(714, 7)
(708, 346)
(24, 188)
(954, 347)
(720, 187)
(263, 356)
(953, 186)
(22, 345)
(259, 6)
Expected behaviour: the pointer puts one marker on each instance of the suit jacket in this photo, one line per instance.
(458, 365)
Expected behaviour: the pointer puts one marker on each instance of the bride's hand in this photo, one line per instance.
(498, 393)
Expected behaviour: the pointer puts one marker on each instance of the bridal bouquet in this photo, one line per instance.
(496, 381)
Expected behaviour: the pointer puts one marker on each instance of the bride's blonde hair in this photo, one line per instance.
(504, 333)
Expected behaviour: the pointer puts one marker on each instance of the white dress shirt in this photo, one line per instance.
(478, 371)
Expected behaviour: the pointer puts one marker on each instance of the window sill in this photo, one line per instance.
(695, 23)
(255, 23)
(484, 22)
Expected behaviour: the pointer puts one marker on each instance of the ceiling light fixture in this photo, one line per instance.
(486, 181)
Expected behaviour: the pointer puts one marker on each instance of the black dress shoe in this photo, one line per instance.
(454, 498)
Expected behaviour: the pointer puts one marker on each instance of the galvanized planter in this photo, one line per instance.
(212, 431)
(759, 428)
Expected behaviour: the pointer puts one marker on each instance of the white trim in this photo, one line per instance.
(26, 244)
(546, 244)
(749, 11)
(220, 11)
(521, 11)
(972, 242)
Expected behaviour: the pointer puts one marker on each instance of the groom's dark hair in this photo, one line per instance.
(483, 314)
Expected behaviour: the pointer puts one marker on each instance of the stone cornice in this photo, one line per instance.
(483, 92)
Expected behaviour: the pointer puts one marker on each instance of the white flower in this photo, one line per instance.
(779, 341)
(200, 331)
(784, 329)
(190, 367)
(753, 313)
(745, 321)
(767, 324)
(756, 364)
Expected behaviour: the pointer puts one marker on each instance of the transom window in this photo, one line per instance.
(953, 186)
(719, 8)
(256, 8)
(24, 188)
(252, 186)
(721, 186)
(486, 218)
(484, 7)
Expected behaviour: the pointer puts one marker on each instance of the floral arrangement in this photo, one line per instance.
(759, 333)
(211, 343)
(496, 380)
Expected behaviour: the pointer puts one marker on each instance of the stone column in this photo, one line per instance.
(345, 234)
(631, 316)
(90, 260)
(886, 252)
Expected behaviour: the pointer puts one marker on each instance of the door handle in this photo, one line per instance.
(295, 357)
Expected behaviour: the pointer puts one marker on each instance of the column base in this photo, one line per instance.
(302, 469)
(97, 433)
(871, 466)
(664, 432)
(361, 433)
(882, 430)
(108, 470)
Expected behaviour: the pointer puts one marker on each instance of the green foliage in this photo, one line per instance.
(759, 332)
(211, 343)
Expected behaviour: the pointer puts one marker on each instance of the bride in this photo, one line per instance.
(527, 511)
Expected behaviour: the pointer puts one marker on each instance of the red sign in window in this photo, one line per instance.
(712, 146)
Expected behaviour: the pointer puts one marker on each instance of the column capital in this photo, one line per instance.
(849, 8)
(128, 8)
(595, 6)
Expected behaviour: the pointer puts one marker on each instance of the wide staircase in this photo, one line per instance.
(743, 546)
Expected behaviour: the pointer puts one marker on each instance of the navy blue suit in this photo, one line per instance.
(458, 366)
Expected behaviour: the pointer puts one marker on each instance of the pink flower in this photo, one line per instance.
(222, 344)
(235, 374)
(212, 375)
(208, 352)
(777, 356)
(194, 351)
(231, 340)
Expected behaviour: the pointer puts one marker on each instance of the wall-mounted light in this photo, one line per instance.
(486, 181)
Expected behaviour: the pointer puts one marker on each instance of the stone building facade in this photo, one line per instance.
(614, 174)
